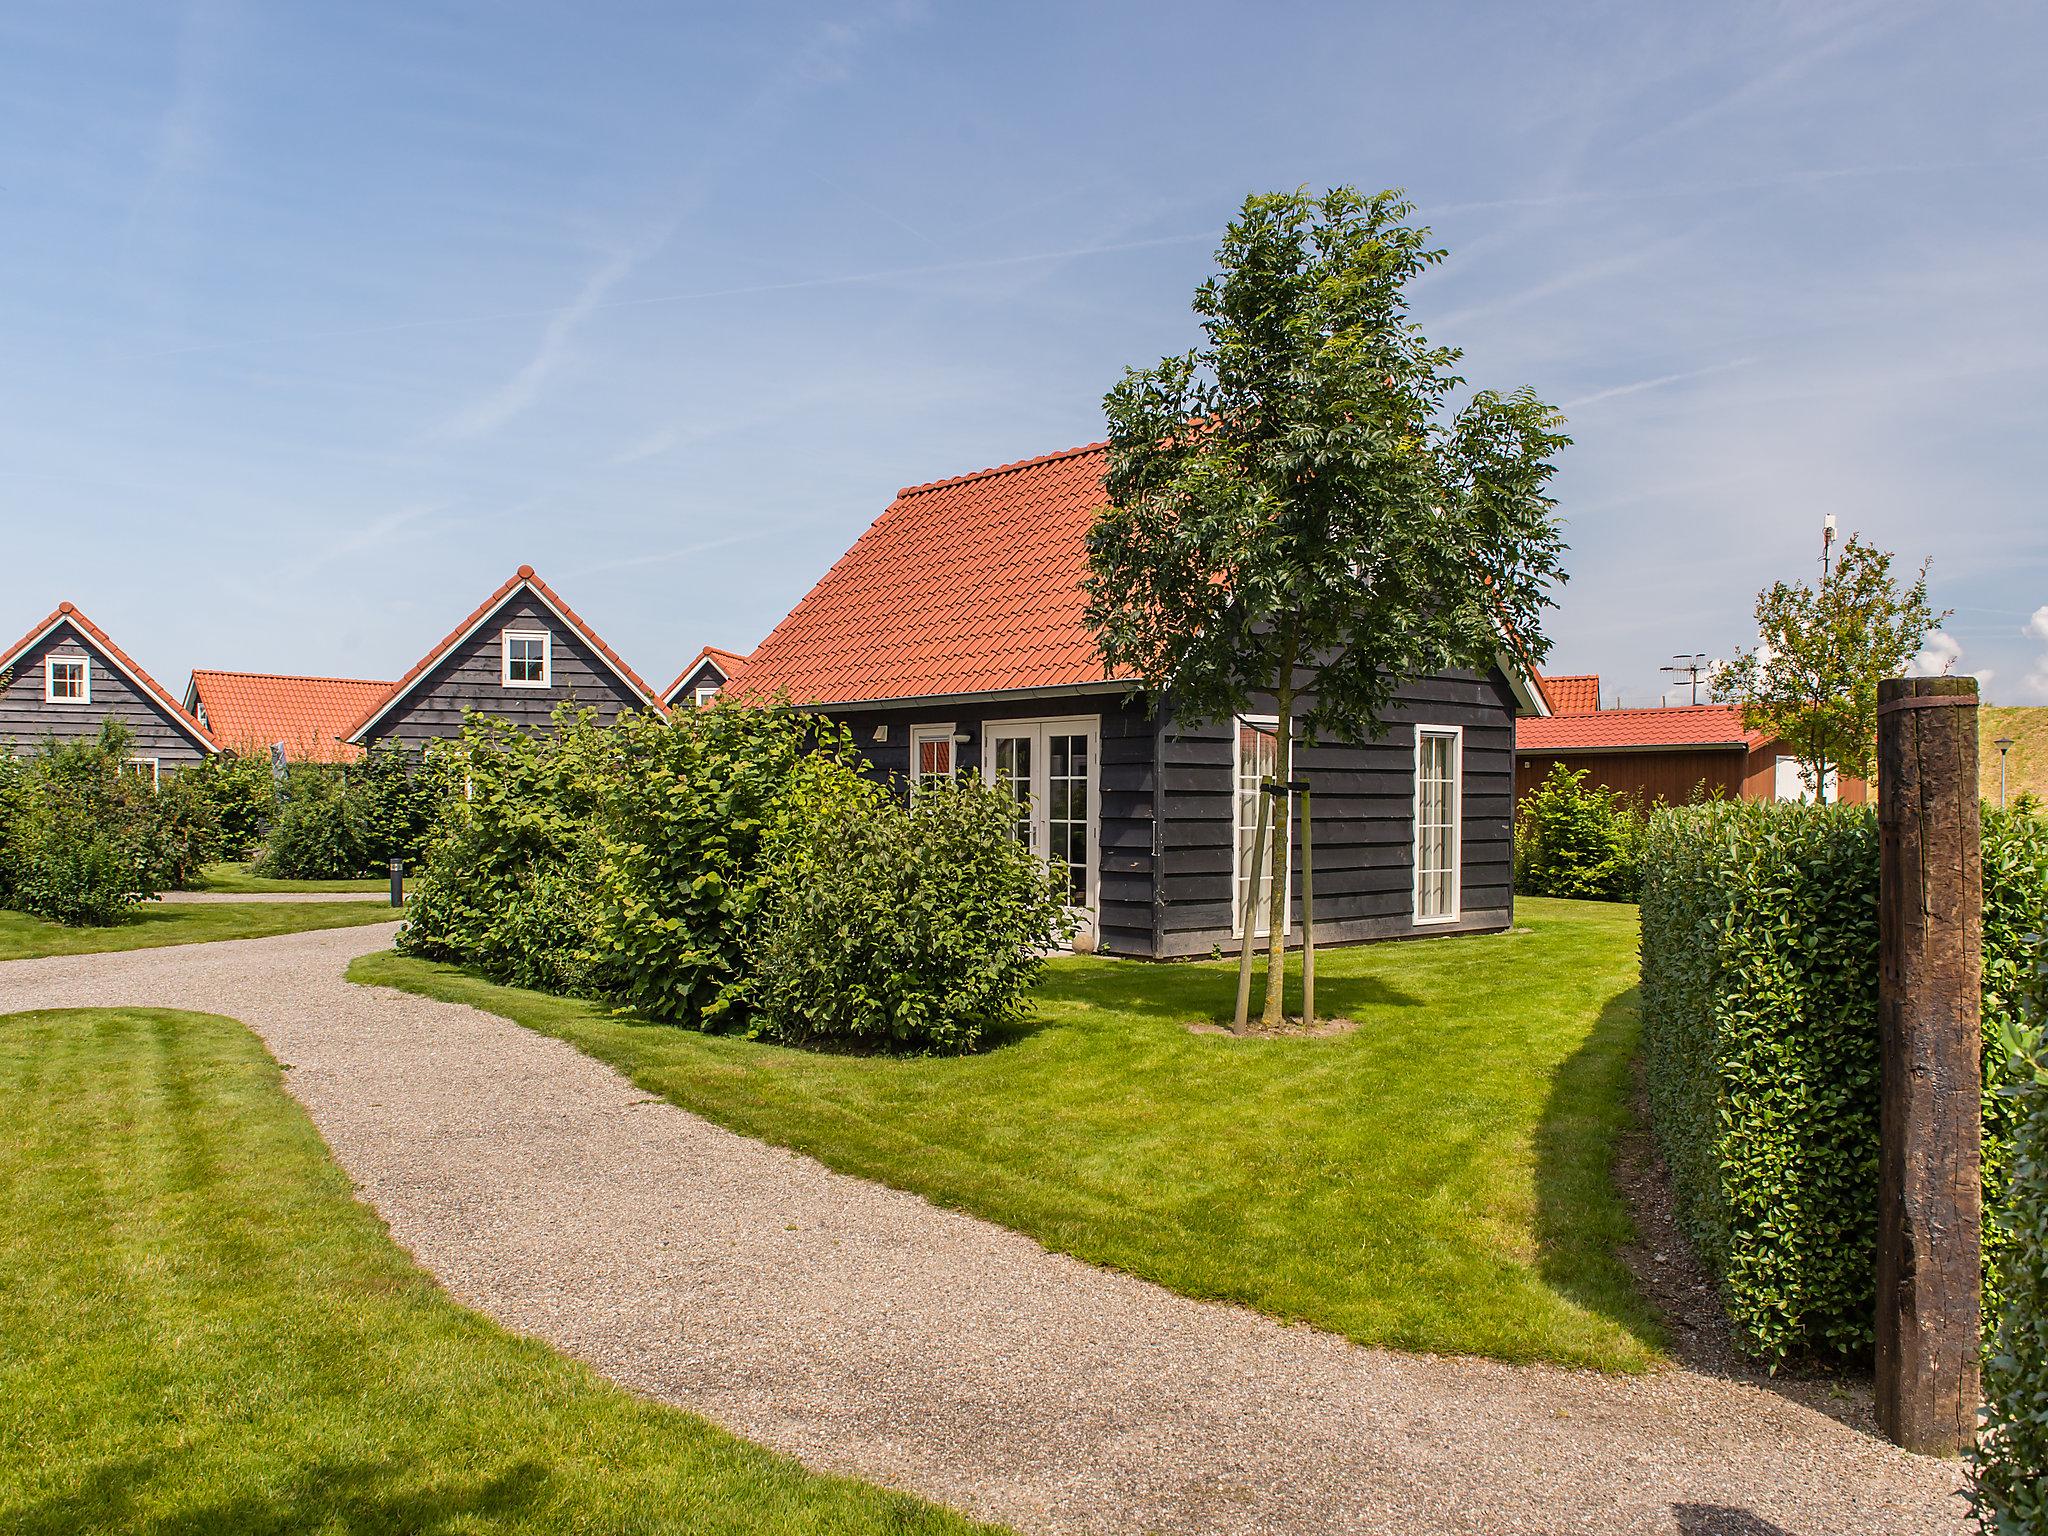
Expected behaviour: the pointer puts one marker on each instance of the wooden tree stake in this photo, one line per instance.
(1251, 905)
(1308, 908)
(1930, 925)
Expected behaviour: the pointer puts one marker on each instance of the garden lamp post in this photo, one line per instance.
(2004, 745)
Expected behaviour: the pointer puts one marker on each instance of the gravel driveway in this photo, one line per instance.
(866, 1331)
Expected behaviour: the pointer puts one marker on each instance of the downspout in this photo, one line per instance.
(1159, 727)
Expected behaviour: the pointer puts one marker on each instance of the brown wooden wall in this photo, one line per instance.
(1673, 776)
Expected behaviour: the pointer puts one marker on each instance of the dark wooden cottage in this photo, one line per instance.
(704, 678)
(65, 677)
(950, 638)
(520, 655)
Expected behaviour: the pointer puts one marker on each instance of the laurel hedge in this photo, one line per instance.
(1759, 1006)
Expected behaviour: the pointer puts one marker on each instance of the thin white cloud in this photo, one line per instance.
(1640, 385)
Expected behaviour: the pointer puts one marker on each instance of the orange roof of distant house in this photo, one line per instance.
(1699, 727)
(967, 585)
(727, 662)
(1576, 694)
(523, 577)
(312, 716)
(69, 613)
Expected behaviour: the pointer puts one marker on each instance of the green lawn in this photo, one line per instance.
(2026, 767)
(205, 1335)
(1438, 1180)
(22, 936)
(240, 880)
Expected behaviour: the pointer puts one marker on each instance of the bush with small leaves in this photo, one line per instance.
(1577, 840)
(82, 844)
(906, 927)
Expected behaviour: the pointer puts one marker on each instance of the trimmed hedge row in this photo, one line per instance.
(1759, 1005)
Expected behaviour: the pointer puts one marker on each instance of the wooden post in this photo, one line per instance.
(1251, 906)
(1930, 926)
(1308, 908)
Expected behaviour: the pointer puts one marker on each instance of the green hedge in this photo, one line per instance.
(1759, 1004)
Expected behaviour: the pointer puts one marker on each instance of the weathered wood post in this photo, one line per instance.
(1930, 927)
(1308, 906)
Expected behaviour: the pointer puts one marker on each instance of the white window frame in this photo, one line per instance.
(706, 692)
(1284, 811)
(919, 735)
(1041, 764)
(50, 666)
(1456, 734)
(547, 658)
(156, 770)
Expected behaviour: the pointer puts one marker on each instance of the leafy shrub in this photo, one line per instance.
(1759, 1004)
(509, 884)
(82, 843)
(918, 927)
(1575, 839)
(242, 797)
(2012, 1455)
(340, 821)
(699, 806)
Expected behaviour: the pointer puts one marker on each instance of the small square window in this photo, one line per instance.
(526, 660)
(931, 756)
(67, 680)
(706, 692)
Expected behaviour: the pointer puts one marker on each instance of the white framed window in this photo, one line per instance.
(1256, 756)
(1792, 782)
(528, 658)
(1051, 768)
(706, 692)
(67, 680)
(1439, 809)
(931, 756)
(149, 768)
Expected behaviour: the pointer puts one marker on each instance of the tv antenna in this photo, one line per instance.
(1688, 670)
(1827, 543)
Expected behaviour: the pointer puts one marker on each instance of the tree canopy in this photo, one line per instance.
(1300, 510)
(1821, 651)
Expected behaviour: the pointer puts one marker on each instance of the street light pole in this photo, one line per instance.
(2004, 745)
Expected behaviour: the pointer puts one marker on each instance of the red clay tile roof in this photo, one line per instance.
(1577, 694)
(523, 577)
(727, 662)
(120, 658)
(967, 585)
(312, 716)
(1697, 726)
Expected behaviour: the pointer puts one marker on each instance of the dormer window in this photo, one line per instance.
(706, 692)
(67, 680)
(528, 663)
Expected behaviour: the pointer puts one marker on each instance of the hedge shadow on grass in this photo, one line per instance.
(1582, 1220)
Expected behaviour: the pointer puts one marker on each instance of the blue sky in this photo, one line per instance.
(319, 320)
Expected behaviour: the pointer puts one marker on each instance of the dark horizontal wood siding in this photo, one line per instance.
(1123, 782)
(1674, 777)
(1364, 822)
(26, 720)
(471, 677)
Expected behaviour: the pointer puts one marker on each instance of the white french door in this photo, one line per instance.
(1050, 769)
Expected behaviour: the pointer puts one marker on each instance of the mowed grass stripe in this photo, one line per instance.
(23, 937)
(205, 1332)
(1438, 1180)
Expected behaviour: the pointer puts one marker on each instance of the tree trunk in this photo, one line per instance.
(1276, 896)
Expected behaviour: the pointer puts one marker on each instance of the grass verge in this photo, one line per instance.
(242, 880)
(205, 1333)
(23, 937)
(1437, 1180)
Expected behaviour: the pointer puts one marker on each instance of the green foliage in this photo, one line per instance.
(82, 843)
(916, 927)
(509, 882)
(351, 819)
(695, 818)
(239, 790)
(1812, 680)
(184, 831)
(1578, 840)
(1294, 507)
(2011, 1491)
(1759, 998)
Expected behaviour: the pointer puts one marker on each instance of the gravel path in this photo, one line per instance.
(866, 1331)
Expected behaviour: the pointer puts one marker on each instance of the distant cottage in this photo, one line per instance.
(951, 637)
(65, 677)
(517, 657)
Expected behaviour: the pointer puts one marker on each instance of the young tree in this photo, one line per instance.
(1821, 652)
(1295, 508)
